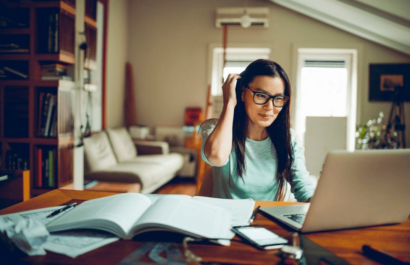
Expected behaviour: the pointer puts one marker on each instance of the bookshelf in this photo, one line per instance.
(37, 89)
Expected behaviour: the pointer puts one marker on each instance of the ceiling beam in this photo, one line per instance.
(364, 23)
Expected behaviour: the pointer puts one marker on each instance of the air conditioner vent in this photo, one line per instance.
(259, 16)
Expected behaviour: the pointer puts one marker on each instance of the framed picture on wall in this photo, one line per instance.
(383, 78)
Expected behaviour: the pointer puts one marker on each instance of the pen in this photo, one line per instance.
(67, 207)
(254, 214)
(382, 256)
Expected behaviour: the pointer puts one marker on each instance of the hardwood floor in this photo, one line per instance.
(179, 185)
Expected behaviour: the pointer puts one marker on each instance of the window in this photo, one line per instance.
(326, 88)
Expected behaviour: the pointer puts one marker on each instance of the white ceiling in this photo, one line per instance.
(386, 22)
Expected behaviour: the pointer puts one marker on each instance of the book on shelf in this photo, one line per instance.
(39, 168)
(6, 175)
(14, 50)
(129, 214)
(62, 77)
(47, 112)
(50, 168)
(50, 112)
(54, 66)
(48, 31)
(16, 72)
(46, 173)
(6, 22)
(53, 72)
(53, 128)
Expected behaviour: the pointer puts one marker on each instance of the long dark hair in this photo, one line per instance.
(278, 131)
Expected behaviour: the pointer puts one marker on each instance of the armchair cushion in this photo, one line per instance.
(98, 153)
(122, 144)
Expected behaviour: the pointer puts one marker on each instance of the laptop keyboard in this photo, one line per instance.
(298, 218)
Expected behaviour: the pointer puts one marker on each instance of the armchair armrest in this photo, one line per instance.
(151, 147)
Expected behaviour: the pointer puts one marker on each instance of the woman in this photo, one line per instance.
(250, 147)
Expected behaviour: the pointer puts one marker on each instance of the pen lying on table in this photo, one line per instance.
(67, 207)
(254, 214)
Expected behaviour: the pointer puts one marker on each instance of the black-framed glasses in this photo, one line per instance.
(262, 98)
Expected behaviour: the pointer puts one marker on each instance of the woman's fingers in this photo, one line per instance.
(228, 88)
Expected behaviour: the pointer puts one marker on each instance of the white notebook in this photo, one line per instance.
(130, 214)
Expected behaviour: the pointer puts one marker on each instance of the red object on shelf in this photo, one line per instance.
(193, 116)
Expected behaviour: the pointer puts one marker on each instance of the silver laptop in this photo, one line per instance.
(355, 189)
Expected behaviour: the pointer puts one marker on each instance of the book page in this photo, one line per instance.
(156, 197)
(186, 216)
(116, 214)
(240, 209)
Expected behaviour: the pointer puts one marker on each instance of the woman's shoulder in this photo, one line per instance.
(208, 126)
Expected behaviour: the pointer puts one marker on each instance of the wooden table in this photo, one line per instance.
(345, 244)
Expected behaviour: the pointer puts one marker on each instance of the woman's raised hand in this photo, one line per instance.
(228, 89)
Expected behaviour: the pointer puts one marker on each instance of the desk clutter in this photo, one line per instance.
(74, 230)
(94, 246)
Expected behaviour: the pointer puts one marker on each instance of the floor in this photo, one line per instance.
(178, 185)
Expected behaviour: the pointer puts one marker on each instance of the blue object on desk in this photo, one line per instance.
(154, 250)
(381, 256)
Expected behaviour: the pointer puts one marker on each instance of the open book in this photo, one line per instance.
(129, 214)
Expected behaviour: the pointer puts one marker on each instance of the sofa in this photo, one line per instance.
(113, 156)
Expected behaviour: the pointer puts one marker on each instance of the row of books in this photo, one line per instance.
(47, 73)
(16, 160)
(48, 31)
(50, 39)
(46, 173)
(47, 114)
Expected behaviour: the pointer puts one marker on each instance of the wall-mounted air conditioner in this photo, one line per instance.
(243, 17)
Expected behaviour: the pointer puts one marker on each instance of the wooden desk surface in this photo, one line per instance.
(345, 244)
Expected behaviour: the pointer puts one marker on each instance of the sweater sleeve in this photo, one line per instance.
(303, 185)
(206, 129)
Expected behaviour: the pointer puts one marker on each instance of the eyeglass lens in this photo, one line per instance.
(261, 98)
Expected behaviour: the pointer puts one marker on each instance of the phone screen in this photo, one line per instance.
(259, 235)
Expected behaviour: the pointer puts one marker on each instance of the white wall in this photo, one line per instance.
(117, 46)
(168, 46)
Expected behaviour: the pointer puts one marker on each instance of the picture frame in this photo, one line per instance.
(383, 78)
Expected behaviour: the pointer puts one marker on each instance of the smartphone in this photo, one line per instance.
(259, 236)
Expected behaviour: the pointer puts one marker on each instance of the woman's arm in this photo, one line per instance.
(218, 145)
(303, 185)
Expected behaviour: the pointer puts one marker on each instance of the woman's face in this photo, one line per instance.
(263, 115)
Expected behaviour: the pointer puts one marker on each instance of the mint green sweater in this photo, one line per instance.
(259, 181)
